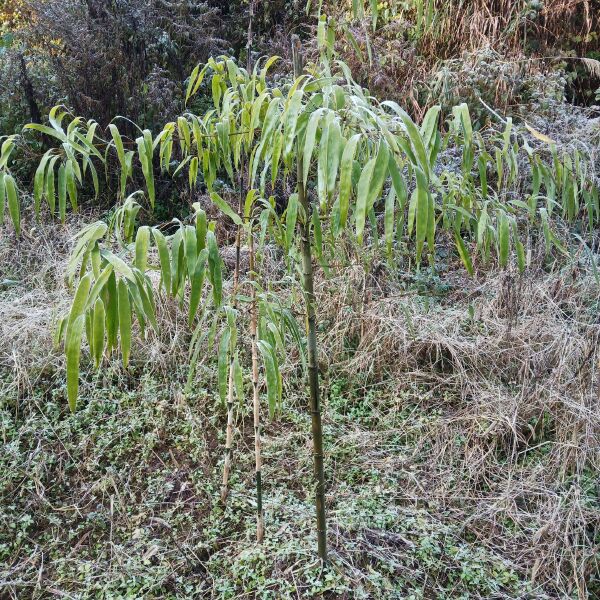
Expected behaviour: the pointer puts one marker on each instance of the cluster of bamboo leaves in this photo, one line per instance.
(114, 262)
(362, 159)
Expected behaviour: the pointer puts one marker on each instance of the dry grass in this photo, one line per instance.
(504, 34)
(32, 297)
(512, 366)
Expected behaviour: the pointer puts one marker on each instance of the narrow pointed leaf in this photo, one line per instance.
(73, 354)
(124, 321)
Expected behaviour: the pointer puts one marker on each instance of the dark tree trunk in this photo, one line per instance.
(34, 110)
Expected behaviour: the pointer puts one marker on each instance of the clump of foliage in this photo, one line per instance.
(330, 177)
(111, 59)
(362, 148)
(399, 49)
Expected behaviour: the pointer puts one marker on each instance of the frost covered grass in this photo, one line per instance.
(461, 431)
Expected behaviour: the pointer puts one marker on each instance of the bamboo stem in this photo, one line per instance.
(311, 325)
(230, 420)
(260, 519)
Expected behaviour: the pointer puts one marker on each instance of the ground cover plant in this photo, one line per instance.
(429, 282)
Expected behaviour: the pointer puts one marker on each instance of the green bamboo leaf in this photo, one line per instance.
(482, 166)
(422, 211)
(216, 90)
(73, 353)
(323, 163)
(276, 155)
(520, 250)
(71, 185)
(412, 211)
(98, 331)
(13, 202)
(499, 167)
(291, 121)
(503, 239)
(197, 79)
(431, 226)
(51, 186)
(124, 321)
(96, 260)
(142, 242)
(380, 171)
(347, 164)
(191, 250)
(197, 282)
(60, 331)
(482, 226)
(223, 366)
(256, 112)
(266, 351)
(2, 197)
(414, 136)
(6, 150)
(201, 227)
(62, 193)
(163, 255)
(318, 234)
(429, 125)
(271, 120)
(80, 299)
(461, 112)
(144, 297)
(59, 135)
(309, 141)
(193, 172)
(238, 378)
(191, 83)
(294, 329)
(87, 237)
(185, 138)
(463, 253)
(249, 203)
(546, 230)
(268, 64)
(137, 306)
(362, 198)
(111, 306)
(334, 153)
(118, 141)
(119, 265)
(225, 208)
(177, 259)
(214, 267)
(389, 220)
(291, 215)
(145, 146)
(98, 287)
(398, 182)
(38, 183)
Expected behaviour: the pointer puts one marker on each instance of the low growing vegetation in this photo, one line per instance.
(287, 292)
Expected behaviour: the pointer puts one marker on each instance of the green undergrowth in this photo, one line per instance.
(121, 500)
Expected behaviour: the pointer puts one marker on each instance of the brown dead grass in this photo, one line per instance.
(512, 365)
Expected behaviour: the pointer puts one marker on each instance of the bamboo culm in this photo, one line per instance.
(311, 326)
(260, 519)
(230, 420)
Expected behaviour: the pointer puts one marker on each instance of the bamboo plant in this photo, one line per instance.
(348, 156)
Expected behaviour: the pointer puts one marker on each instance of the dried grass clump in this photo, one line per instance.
(502, 51)
(32, 297)
(511, 365)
